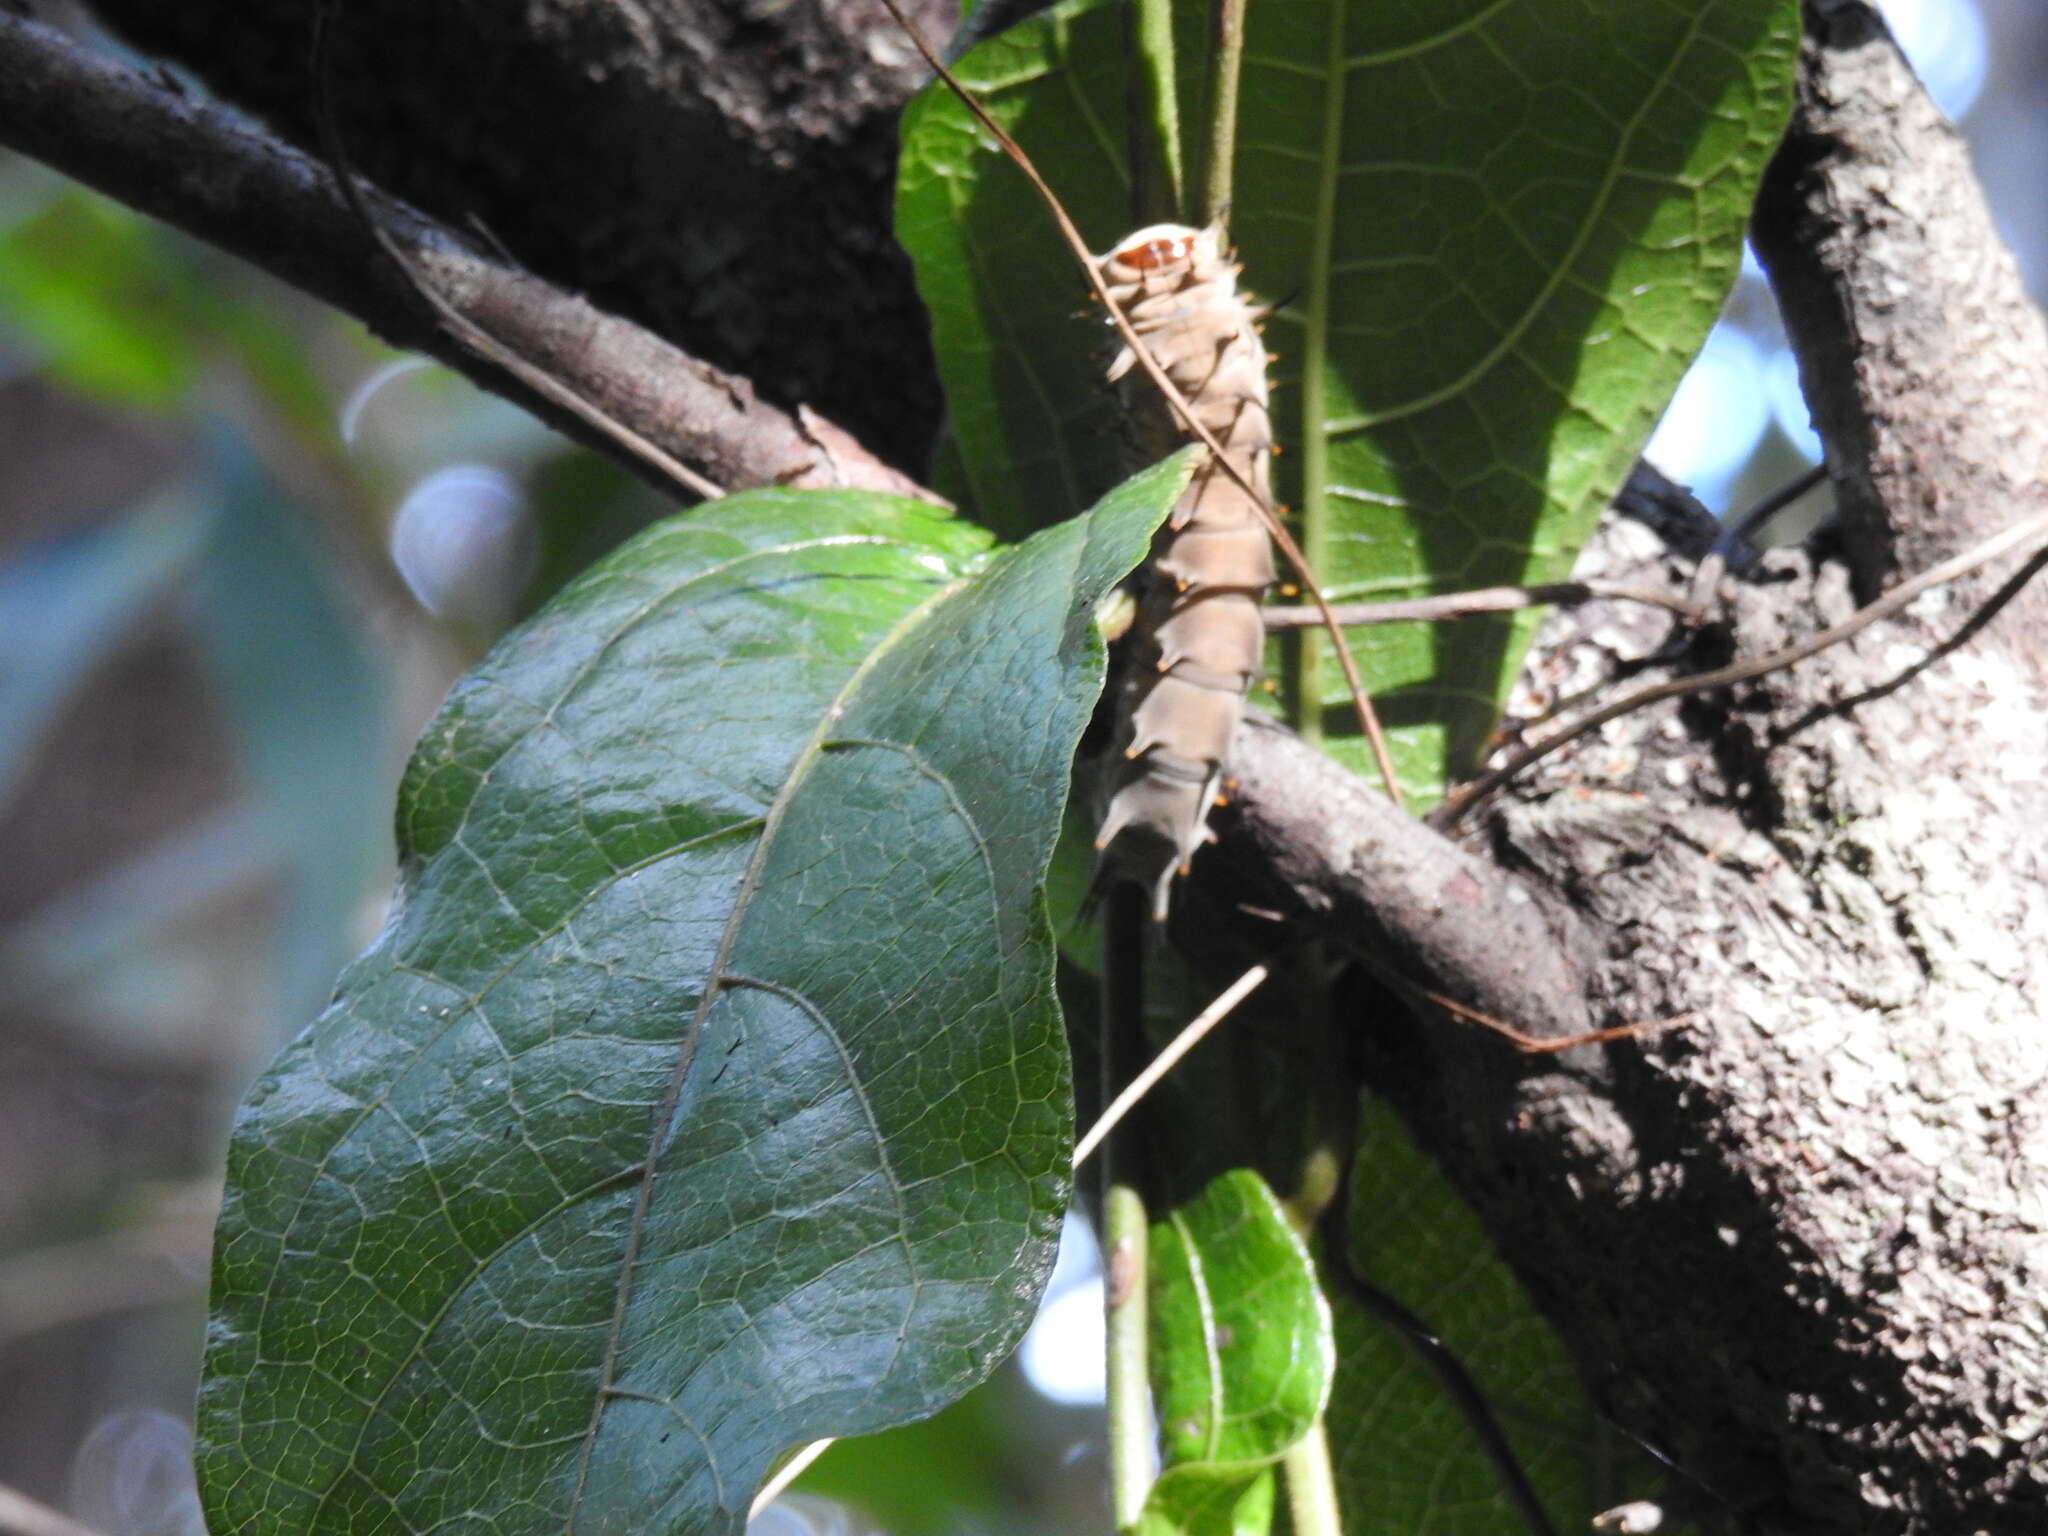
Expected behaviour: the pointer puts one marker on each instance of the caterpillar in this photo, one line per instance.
(1197, 638)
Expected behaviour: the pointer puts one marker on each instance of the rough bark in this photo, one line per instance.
(716, 171)
(1798, 1244)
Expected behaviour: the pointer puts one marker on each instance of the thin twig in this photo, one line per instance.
(1167, 1060)
(1126, 1234)
(21, 1515)
(460, 325)
(1124, 1170)
(1542, 1045)
(1465, 605)
(1312, 1506)
(2000, 544)
(1739, 532)
(1158, 178)
(1368, 720)
(788, 1473)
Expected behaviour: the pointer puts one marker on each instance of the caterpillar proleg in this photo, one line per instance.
(1197, 638)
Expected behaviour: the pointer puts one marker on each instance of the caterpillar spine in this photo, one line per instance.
(1197, 639)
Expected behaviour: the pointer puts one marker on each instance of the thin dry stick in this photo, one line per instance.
(1997, 546)
(1166, 1060)
(1368, 720)
(1541, 1045)
(21, 1515)
(1189, 1037)
(1738, 533)
(467, 330)
(789, 1472)
(1463, 605)
(1229, 68)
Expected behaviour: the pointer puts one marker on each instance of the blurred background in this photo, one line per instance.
(244, 551)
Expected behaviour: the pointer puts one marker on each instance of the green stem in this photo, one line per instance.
(1315, 446)
(1157, 178)
(1125, 1226)
(1312, 1485)
(1124, 1233)
(1227, 63)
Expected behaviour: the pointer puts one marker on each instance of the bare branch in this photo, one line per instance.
(1397, 894)
(208, 172)
(2026, 535)
(1924, 361)
(1465, 605)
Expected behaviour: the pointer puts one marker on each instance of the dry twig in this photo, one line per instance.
(2017, 536)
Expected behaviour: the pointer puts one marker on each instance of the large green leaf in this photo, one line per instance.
(705, 1093)
(1503, 227)
(1241, 1354)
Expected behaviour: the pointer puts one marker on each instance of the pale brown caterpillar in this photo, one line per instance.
(1198, 637)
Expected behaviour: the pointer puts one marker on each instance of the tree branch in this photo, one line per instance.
(1314, 839)
(718, 173)
(1922, 357)
(208, 172)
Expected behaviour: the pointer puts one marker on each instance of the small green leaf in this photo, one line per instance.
(705, 1093)
(1241, 1346)
(1205, 1501)
(1501, 231)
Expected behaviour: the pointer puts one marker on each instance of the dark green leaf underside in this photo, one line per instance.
(1406, 1459)
(726, 865)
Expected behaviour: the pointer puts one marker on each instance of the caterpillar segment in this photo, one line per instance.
(1196, 643)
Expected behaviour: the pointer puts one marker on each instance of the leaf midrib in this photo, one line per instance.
(1560, 272)
(714, 985)
(632, 622)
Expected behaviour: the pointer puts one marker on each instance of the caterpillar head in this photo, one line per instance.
(1159, 253)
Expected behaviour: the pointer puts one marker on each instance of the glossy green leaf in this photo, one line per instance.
(1208, 1501)
(1406, 1459)
(1242, 1356)
(705, 1093)
(1240, 1348)
(1501, 229)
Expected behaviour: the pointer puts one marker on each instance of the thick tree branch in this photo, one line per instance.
(210, 173)
(1923, 359)
(1344, 862)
